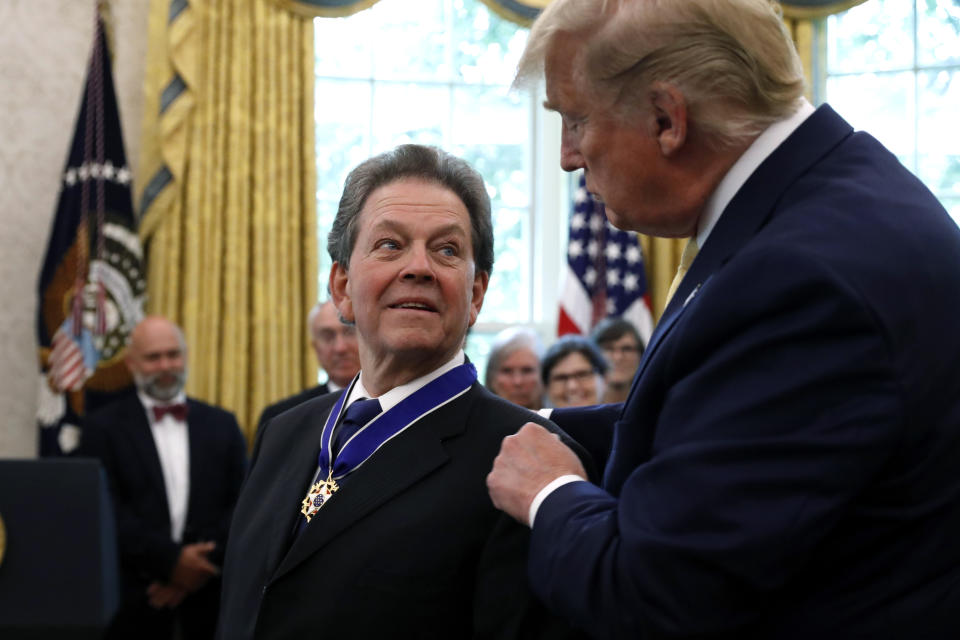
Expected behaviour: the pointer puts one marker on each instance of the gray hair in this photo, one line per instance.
(413, 161)
(733, 60)
(505, 343)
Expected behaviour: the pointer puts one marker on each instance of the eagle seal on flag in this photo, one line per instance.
(92, 284)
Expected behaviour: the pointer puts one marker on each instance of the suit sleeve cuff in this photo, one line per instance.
(546, 491)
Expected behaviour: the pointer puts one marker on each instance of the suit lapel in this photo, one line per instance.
(391, 471)
(141, 437)
(299, 449)
(195, 453)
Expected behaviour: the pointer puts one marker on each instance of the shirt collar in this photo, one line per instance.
(765, 144)
(395, 395)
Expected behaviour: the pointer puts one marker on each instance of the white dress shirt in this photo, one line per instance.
(173, 447)
(395, 395)
(765, 144)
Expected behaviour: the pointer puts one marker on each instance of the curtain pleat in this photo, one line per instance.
(228, 197)
(661, 257)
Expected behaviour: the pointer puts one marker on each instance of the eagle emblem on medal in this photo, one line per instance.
(318, 496)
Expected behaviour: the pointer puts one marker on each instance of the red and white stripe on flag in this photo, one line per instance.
(68, 371)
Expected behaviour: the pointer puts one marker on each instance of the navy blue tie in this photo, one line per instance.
(359, 413)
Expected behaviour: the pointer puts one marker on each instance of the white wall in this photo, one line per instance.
(44, 46)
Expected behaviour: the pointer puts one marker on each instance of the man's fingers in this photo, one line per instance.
(204, 547)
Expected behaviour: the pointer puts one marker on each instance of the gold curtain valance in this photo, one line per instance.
(525, 11)
(814, 9)
(522, 12)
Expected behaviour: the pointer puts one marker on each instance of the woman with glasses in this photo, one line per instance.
(572, 371)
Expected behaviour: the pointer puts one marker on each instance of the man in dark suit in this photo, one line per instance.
(335, 344)
(785, 465)
(365, 514)
(175, 466)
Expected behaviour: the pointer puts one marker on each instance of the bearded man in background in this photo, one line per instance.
(174, 466)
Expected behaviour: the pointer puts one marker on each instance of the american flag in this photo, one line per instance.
(604, 275)
(92, 284)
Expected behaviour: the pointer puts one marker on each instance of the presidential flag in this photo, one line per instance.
(604, 274)
(92, 283)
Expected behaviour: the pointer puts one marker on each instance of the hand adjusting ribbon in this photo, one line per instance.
(352, 450)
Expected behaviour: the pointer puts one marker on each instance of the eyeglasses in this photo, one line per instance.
(624, 349)
(580, 377)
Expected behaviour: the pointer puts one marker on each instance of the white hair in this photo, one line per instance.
(733, 60)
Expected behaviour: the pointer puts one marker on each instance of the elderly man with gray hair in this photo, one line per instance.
(365, 513)
(785, 464)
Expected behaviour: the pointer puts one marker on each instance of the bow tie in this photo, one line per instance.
(178, 411)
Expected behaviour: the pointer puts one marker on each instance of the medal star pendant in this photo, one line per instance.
(318, 495)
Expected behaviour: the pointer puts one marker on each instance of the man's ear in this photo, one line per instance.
(480, 282)
(338, 291)
(670, 113)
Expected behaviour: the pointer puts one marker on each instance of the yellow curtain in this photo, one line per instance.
(661, 257)
(227, 195)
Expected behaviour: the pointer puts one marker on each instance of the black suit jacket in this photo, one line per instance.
(280, 406)
(786, 463)
(119, 435)
(410, 547)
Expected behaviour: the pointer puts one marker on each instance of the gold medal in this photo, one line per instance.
(318, 495)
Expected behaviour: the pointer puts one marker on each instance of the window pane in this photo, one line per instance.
(953, 206)
(938, 140)
(478, 350)
(406, 112)
(938, 32)
(508, 293)
(873, 36)
(343, 46)
(491, 132)
(411, 40)
(342, 116)
(487, 47)
(882, 105)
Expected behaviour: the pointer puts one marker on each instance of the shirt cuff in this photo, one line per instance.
(546, 491)
(546, 412)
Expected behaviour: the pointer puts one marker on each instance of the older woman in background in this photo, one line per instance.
(572, 371)
(513, 368)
